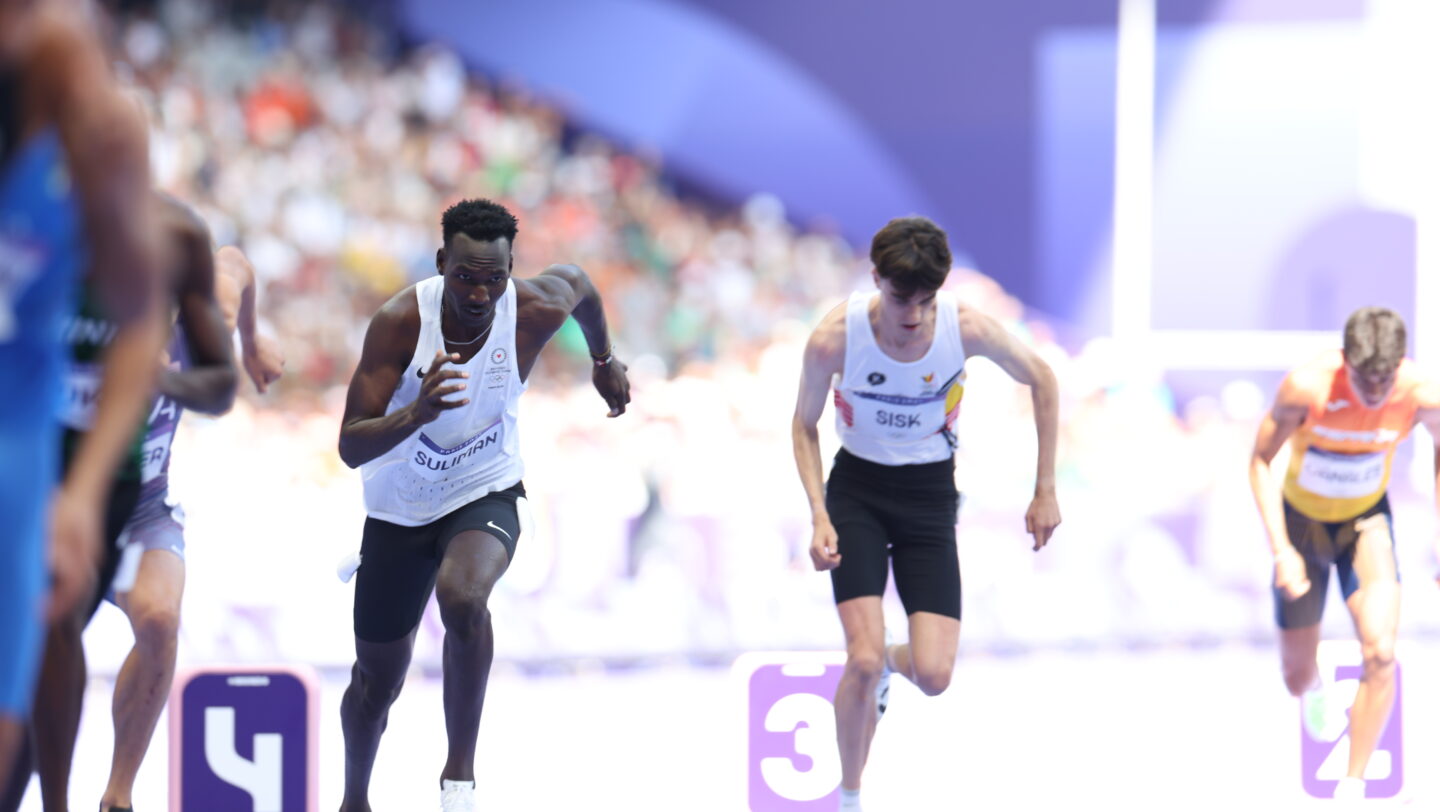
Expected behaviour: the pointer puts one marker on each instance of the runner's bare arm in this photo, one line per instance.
(107, 158)
(1284, 417)
(566, 290)
(824, 358)
(262, 358)
(987, 338)
(366, 432)
(107, 155)
(208, 385)
(1279, 424)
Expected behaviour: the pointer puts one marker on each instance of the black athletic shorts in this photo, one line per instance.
(899, 517)
(398, 564)
(1323, 544)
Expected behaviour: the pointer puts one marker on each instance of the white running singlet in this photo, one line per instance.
(899, 412)
(466, 452)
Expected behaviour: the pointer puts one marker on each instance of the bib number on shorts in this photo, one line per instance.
(432, 462)
(1342, 476)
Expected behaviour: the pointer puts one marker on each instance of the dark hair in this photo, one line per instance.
(1374, 340)
(478, 219)
(912, 253)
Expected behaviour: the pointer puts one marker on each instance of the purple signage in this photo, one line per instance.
(1323, 762)
(791, 758)
(244, 740)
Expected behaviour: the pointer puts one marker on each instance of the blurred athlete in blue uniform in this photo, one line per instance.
(74, 176)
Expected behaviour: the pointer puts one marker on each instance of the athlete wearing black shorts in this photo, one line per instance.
(899, 517)
(1343, 413)
(432, 421)
(400, 563)
(1324, 545)
(897, 358)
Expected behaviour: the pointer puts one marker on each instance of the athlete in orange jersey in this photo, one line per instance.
(1343, 414)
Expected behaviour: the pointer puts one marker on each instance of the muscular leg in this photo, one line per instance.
(1297, 658)
(143, 684)
(59, 696)
(928, 659)
(864, 624)
(1375, 608)
(473, 562)
(375, 682)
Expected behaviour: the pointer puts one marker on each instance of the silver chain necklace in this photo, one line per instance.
(483, 333)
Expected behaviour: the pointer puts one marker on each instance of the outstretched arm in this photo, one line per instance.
(208, 385)
(1284, 418)
(985, 337)
(567, 291)
(235, 288)
(824, 358)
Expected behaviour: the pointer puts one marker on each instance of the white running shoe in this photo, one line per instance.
(1350, 789)
(457, 796)
(882, 688)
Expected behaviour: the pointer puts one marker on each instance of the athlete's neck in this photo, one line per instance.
(457, 334)
(902, 342)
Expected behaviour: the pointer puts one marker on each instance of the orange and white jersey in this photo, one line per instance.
(1341, 454)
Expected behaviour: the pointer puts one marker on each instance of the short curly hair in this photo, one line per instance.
(1374, 340)
(479, 219)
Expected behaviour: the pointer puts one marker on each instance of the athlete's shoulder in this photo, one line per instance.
(548, 298)
(399, 311)
(1419, 382)
(556, 282)
(1312, 380)
(180, 216)
(394, 330)
(826, 345)
(979, 331)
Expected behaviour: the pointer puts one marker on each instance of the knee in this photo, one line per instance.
(865, 666)
(1299, 678)
(372, 693)
(465, 614)
(1379, 658)
(156, 625)
(932, 680)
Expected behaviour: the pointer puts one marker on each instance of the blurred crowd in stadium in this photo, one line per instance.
(325, 149)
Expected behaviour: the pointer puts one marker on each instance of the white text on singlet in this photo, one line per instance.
(900, 412)
(466, 452)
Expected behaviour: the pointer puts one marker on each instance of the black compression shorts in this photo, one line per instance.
(1324, 545)
(899, 517)
(398, 564)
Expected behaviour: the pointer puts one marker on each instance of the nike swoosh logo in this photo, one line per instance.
(501, 529)
(1336, 405)
(420, 373)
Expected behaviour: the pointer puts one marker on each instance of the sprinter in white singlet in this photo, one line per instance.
(896, 359)
(431, 421)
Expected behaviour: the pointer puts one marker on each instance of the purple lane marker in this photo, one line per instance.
(244, 740)
(792, 763)
(1324, 762)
